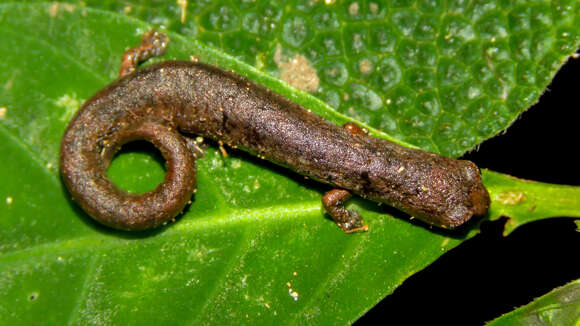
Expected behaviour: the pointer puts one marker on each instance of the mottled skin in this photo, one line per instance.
(161, 101)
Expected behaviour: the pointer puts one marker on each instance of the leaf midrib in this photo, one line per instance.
(185, 226)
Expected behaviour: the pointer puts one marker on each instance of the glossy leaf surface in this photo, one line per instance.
(559, 307)
(253, 247)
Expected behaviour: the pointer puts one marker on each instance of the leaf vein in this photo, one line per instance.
(90, 277)
(269, 214)
(26, 148)
(221, 281)
(331, 276)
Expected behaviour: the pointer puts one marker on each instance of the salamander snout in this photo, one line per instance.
(478, 197)
(480, 200)
(470, 198)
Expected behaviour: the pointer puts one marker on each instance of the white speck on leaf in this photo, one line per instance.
(293, 294)
(70, 103)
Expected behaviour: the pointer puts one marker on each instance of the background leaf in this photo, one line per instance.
(559, 307)
(442, 75)
(253, 246)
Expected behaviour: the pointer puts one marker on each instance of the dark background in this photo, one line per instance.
(490, 275)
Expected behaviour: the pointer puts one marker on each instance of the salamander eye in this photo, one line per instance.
(471, 171)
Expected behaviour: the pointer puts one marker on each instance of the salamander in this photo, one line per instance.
(168, 102)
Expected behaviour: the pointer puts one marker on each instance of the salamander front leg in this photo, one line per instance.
(153, 44)
(348, 220)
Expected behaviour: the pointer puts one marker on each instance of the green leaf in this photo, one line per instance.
(442, 75)
(526, 201)
(559, 307)
(254, 246)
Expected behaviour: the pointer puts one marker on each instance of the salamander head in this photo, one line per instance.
(474, 201)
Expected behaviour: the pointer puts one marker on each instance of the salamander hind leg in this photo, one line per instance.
(333, 201)
(348, 220)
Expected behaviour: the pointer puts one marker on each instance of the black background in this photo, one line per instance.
(490, 275)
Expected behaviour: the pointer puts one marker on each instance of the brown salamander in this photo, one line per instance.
(162, 102)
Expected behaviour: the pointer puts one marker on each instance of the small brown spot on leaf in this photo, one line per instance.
(55, 7)
(297, 71)
(365, 66)
(353, 9)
